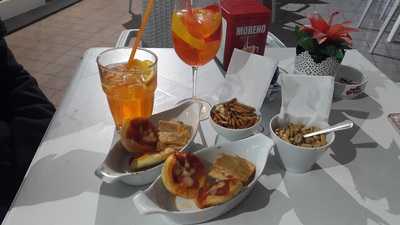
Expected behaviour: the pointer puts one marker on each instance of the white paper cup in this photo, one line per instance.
(294, 158)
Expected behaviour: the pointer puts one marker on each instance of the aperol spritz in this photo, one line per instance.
(196, 33)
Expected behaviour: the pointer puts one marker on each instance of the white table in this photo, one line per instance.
(358, 185)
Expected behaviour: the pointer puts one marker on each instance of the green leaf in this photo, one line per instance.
(306, 42)
(340, 55)
(297, 29)
(299, 34)
(329, 50)
(343, 45)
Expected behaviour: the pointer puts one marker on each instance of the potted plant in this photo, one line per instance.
(321, 45)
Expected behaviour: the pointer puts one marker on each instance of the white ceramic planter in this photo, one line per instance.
(304, 64)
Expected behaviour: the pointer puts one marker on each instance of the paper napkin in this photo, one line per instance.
(306, 98)
(247, 79)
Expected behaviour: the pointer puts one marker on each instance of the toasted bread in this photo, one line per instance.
(232, 167)
(218, 193)
(178, 179)
(169, 126)
(173, 133)
(150, 159)
(139, 135)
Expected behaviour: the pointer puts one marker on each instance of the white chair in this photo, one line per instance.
(369, 4)
(158, 30)
(364, 14)
(389, 17)
(385, 8)
(394, 30)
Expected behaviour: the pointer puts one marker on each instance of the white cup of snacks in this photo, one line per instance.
(299, 158)
(234, 120)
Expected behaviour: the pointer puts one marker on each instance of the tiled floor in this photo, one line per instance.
(51, 49)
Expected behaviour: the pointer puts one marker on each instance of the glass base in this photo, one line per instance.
(205, 106)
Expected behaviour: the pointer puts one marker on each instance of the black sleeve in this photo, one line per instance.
(24, 115)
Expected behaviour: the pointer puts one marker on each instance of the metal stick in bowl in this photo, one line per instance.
(347, 124)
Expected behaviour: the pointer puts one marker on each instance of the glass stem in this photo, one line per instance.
(194, 79)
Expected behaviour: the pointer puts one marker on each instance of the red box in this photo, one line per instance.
(245, 26)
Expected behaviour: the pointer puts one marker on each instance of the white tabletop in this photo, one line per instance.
(356, 182)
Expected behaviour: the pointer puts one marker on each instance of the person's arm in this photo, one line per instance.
(25, 111)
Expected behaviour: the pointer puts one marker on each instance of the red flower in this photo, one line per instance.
(323, 31)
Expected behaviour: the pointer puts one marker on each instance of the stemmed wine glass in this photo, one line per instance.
(196, 35)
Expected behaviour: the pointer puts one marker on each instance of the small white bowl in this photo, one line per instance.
(348, 91)
(157, 200)
(116, 165)
(294, 158)
(234, 134)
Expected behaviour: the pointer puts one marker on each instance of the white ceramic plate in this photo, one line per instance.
(156, 199)
(116, 165)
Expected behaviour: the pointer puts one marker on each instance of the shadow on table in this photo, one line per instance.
(318, 199)
(115, 204)
(315, 198)
(256, 200)
(62, 173)
(343, 147)
(373, 167)
(378, 82)
(376, 175)
(367, 108)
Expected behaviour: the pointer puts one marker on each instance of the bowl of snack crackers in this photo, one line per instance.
(234, 120)
(298, 154)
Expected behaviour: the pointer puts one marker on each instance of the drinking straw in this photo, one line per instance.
(139, 35)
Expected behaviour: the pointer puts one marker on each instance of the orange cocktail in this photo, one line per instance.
(196, 33)
(130, 92)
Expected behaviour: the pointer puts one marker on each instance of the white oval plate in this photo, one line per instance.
(116, 165)
(156, 199)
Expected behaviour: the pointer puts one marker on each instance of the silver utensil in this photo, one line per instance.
(347, 124)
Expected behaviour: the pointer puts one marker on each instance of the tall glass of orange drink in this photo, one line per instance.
(196, 35)
(130, 92)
